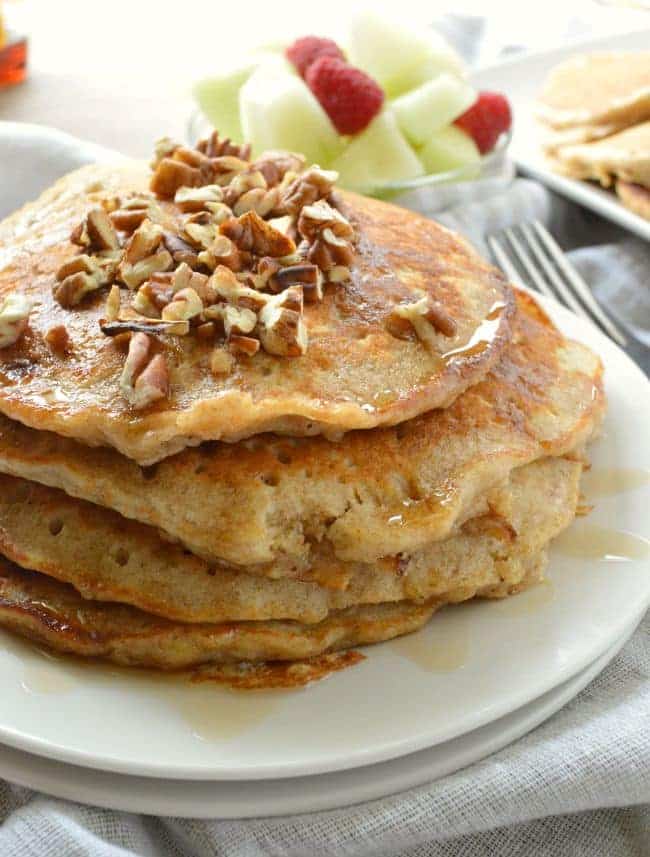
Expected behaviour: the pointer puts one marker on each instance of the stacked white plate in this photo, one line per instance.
(478, 677)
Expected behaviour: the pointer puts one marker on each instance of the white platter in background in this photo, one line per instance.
(521, 79)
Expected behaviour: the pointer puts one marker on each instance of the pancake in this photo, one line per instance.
(355, 373)
(264, 503)
(597, 89)
(624, 156)
(635, 197)
(107, 558)
(54, 614)
(553, 139)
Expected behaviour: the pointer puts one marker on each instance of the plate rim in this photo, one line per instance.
(136, 794)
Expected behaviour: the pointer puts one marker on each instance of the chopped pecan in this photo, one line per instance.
(151, 298)
(144, 379)
(14, 315)
(226, 286)
(425, 317)
(281, 328)
(80, 276)
(246, 345)
(132, 212)
(250, 233)
(329, 252)
(185, 306)
(96, 232)
(144, 255)
(274, 166)
(214, 147)
(191, 199)
(307, 276)
(310, 186)
(226, 168)
(221, 361)
(200, 235)
(171, 174)
(222, 251)
(113, 303)
(237, 321)
(58, 339)
(180, 250)
(117, 327)
(314, 219)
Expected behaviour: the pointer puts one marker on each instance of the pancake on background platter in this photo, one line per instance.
(594, 110)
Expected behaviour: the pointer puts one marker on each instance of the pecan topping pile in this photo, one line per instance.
(224, 249)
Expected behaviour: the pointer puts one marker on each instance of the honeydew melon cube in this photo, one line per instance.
(377, 156)
(435, 104)
(451, 149)
(398, 57)
(278, 111)
(218, 98)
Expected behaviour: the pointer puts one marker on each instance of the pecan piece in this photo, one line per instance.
(144, 255)
(425, 317)
(96, 232)
(192, 199)
(221, 362)
(14, 315)
(58, 339)
(309, 187)
(171, 174)
(246, 345)
(214, 147)
(274, 166)
(144, 379)
(185, 306)
(250, 233)
(314, 219)
(281, 328)
(307, 276)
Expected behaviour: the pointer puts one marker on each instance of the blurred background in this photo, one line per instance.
(120, 73)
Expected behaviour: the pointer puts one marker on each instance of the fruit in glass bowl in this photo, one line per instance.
(393, 112)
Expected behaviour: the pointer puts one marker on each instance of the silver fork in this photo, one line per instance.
(531, 250)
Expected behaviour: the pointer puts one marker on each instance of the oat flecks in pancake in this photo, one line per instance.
(596, 89)
(355, 374)
(108, 558)
(53, 614)
(625, 155)
(265, 502)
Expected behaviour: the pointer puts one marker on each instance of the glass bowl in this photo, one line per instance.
(426, 194)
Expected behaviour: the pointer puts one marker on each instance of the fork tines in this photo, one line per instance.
(530, 253)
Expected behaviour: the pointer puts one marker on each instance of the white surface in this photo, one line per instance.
(522, 80)
(292, 795)
(385, 707)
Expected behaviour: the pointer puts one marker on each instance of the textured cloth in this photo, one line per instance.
(577, 786)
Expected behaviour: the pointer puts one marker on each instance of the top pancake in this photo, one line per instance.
(354, 375)
(266, 502)
(594, 89)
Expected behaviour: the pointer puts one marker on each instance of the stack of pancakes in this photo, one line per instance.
(595, 109)
(298, 505)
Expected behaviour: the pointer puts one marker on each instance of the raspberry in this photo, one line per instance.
(348, 95)
(486, 119)
(303, 52)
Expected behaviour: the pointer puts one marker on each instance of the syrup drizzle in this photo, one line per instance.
(435, 648)
(592, 541)
(608, 481)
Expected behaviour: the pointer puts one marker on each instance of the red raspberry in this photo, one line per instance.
(304, 51)
(348, 95)
(486, 119)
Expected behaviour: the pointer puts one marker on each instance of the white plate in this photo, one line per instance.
(288, 796)
(521, 79)
(492, 658)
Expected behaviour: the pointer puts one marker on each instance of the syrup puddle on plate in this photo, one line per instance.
(436, 649)
(609, 481)
(591, 541)
(215, 715)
